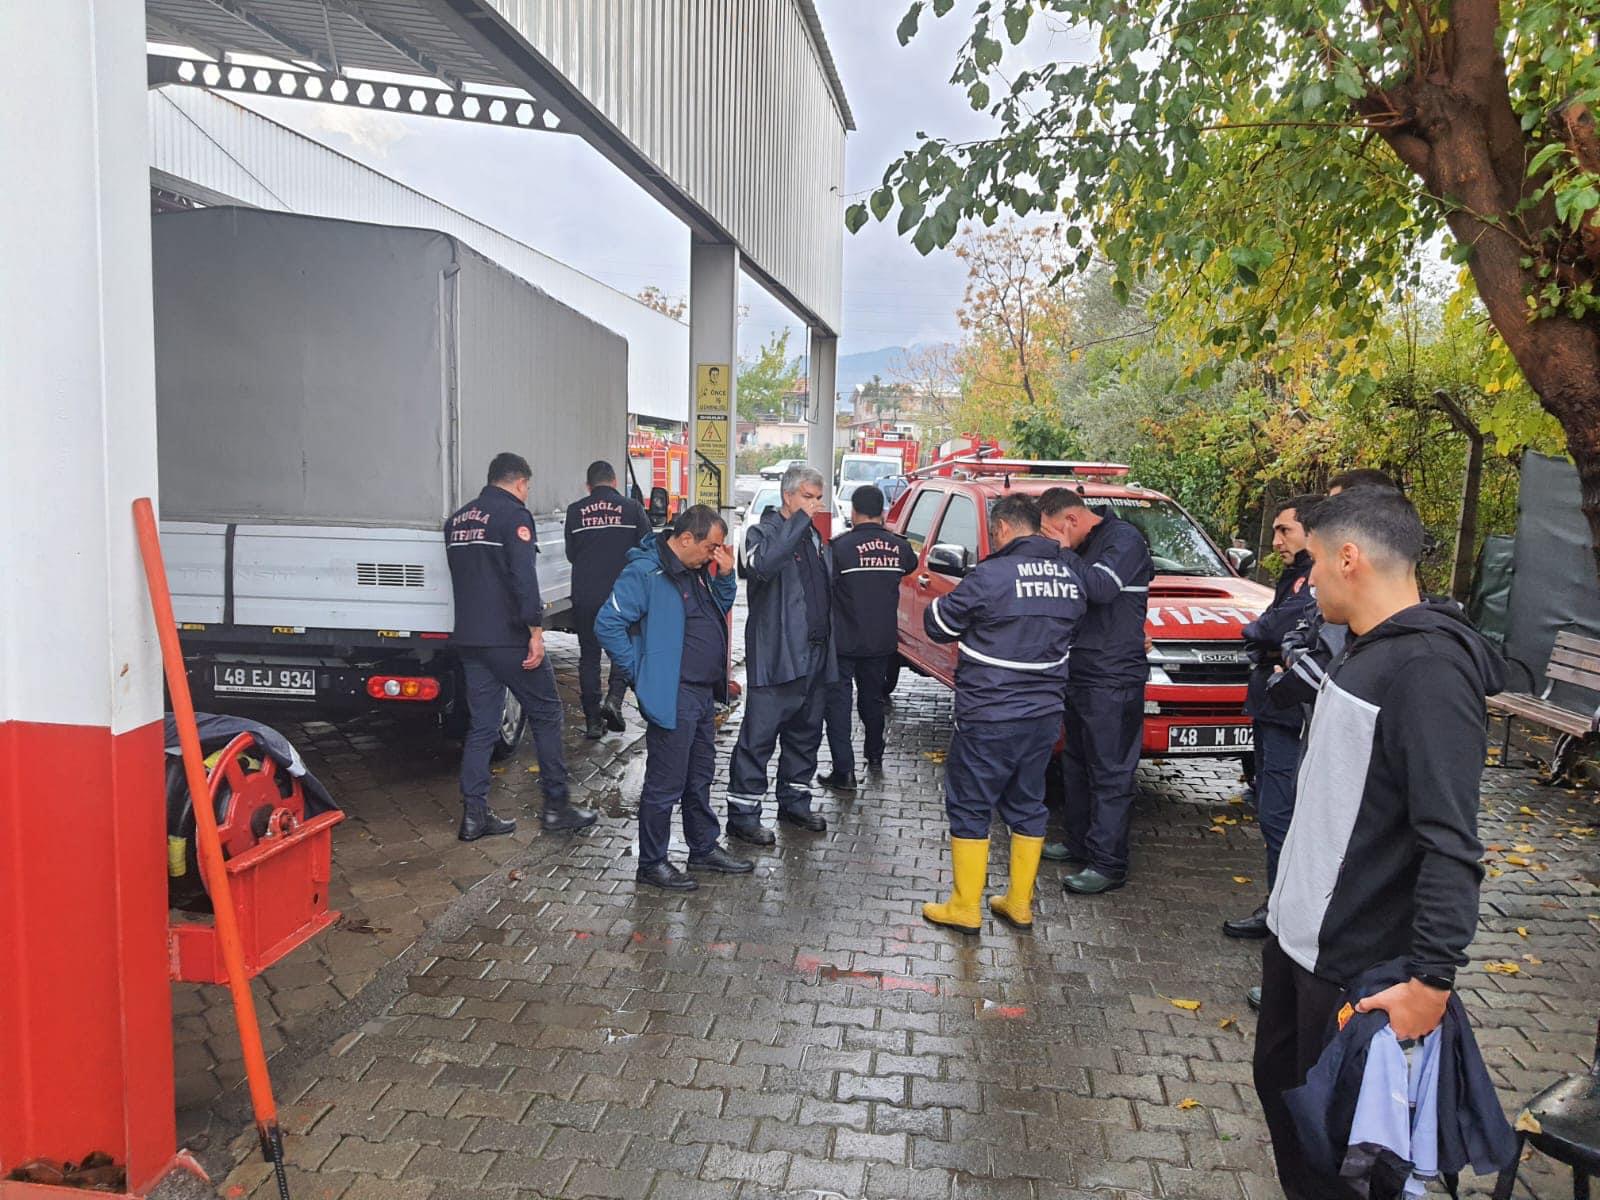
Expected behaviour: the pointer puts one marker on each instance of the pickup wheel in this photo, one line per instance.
(512, 722)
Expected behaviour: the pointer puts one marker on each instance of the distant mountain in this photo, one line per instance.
(859, 368)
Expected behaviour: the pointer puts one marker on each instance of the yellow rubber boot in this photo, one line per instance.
(1016, 906)
(969, 862)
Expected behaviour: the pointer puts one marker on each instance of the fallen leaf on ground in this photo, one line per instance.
(1522, 931)
(1528, 1123)
(1502, 968)
(1516, 860)
(1219, 829)
(1187, 1103)
(1495, 872)
(1242, 879)
(1528, 958)
(1186, 1005)
(1237, 800)
(1526, 811)
(514, 876)
(934, 756)
(1226, 1023)
(533, 770)
(1523, 848)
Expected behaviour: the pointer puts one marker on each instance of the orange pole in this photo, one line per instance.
(207, 844)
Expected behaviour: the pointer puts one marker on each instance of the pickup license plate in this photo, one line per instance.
(241, 679)
(1209, 739)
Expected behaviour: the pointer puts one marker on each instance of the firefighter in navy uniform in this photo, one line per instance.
(601, 529)
(490, 545)
(868, 563)
(1013, 619)
(1105, 698)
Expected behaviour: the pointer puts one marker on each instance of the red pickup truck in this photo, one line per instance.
(1199, 603)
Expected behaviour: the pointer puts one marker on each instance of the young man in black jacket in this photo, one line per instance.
(1381, 861)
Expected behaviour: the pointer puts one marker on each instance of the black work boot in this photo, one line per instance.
(477, 824)
(839, 781)
(804, 818)
(750, 830)
(718, 859)
(1253, 926)
(611, 714)
(666, 876)
(565, 817)
(594, 727)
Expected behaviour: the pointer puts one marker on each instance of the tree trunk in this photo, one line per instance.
(1471, 487)
(1463, 139)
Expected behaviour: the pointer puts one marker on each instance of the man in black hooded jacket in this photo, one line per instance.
(1381, 860)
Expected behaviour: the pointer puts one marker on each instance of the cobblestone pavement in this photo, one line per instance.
(565, 1033)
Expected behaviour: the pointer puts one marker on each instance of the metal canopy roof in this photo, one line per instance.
(729, 112)
(399, 36)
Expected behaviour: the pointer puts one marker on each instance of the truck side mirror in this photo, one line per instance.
(947, 558)
(1241, 558)
(659, 499)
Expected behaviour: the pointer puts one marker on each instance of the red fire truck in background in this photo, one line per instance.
(883, 440)
(660, 462)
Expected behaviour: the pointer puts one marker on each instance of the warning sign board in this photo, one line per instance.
(712, 410)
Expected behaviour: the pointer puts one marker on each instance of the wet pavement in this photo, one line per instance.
(518, 1018)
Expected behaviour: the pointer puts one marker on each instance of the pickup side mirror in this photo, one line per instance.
(947, 558)
(1241, 558)
(659, 500)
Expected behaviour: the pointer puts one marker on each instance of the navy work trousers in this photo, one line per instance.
(490, 671)
(997, 766)
(1101, 756)
(866, 677)
(589, 664)
(1277, 765)
(678, 768)
(787, 713)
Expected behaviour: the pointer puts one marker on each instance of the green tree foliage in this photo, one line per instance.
(768, 379)
(1272, 172)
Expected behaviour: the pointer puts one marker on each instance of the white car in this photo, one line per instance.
(776, 470)
(765, 497)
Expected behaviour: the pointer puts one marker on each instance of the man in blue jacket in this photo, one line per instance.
(1105, 698)
(1012, 619)
(789, 661)
(665, 627)
(491, 546)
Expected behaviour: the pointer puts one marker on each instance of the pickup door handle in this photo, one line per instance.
(924, 580)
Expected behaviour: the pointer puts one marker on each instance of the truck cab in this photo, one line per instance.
(1199, 603)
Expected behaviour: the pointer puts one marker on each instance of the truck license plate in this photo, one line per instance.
(240, 679)
(1209, 739)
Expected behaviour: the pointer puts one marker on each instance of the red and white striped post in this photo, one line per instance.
(85, 1005)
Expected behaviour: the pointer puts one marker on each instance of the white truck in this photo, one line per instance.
(857, 469)
(327, 393)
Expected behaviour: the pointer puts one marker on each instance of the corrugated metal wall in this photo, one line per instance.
(207, 140)
(731, 100)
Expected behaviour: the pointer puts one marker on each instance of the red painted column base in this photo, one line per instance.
(85, 1004)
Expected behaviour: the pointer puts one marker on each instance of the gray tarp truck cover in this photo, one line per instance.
(325, 372)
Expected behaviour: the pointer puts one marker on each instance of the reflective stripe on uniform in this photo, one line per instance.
(1007, 663)
(938, 620)
(1102, 567)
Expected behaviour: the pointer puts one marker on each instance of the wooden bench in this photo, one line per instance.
(1576, 660)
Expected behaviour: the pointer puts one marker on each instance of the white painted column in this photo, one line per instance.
(820, 427)
(85, 1008)
(713, 348)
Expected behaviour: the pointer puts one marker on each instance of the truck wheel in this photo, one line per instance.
(512, 722)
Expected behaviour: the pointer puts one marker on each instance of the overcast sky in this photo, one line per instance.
(561, 197)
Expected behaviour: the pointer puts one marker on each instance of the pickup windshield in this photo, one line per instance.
(1177, 547)
(867, 470)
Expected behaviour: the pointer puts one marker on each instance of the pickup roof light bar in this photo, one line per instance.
(970, 466)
